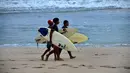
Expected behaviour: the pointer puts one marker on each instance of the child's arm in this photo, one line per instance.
(51, 35)
(64, 31)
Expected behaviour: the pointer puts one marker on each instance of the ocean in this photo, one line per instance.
(105, 22)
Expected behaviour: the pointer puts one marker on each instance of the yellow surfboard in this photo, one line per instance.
(78, 38)
(70, 32)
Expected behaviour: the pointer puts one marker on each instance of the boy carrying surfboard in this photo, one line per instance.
(65, 25)
(50, 23)
(56, 49)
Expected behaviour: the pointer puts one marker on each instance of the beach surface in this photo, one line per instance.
(88, 60)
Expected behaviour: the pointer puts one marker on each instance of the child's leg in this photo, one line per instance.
(60, 50)
(48, 49)
(47, 56)
(55, 57)
(70, 54)
(42, 57)
(53, 51)
(57, 52)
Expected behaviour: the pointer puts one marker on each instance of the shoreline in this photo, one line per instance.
(84, 10)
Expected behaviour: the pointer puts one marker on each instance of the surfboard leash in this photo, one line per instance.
(37, 45)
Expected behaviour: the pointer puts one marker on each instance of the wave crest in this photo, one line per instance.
(60, 5)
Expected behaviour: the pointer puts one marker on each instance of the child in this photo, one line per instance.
(50, 23)
(56, 49)
(66, 24)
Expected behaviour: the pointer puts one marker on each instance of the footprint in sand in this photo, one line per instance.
(31, 60)
(43, 64)
(14, 68)
(37, 67)
(91, 67)
(0, 68)
(105, 54)
(82, 65)
(1, 64)
(64, 64)
(24, 64)
(11, 60)
(2, 60)
(101, 54)
(106, 66)
(75, 67)
(96, 54)
(126, 67)
(68, 65)
(51, 68)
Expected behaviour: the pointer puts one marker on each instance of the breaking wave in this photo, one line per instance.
(60, 5)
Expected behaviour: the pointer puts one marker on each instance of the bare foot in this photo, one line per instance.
(47, 56)
(42, 58)
(72, 57)
(60, 59)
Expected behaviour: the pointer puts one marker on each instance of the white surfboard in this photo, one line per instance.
(57, 39)
(40, 39)
(70, 32)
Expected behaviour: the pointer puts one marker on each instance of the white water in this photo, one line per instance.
(61, 4)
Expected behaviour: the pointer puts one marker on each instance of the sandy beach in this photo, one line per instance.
(88, 60)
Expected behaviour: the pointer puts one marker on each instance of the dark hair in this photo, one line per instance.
(55, 20)
(65, 21)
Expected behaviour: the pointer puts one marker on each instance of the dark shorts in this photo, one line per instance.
(49, 45)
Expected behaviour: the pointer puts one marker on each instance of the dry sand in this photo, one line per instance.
(88, 60)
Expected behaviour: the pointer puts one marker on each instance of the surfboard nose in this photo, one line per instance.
(43, 31)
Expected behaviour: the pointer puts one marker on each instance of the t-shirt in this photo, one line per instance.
(64, 27)
(55, 27)
(50, 27)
